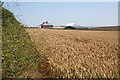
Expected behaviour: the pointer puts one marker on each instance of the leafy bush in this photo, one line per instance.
(19, 54)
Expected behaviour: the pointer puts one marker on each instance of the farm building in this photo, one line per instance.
(46, 25)
(71, 26)
(74, 26)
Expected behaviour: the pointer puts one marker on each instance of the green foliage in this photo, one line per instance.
(19, 54)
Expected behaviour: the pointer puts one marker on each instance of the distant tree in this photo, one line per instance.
(70, 27)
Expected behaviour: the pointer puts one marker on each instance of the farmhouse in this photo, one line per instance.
(46, 25)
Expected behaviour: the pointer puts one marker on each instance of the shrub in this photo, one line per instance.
(19, 53)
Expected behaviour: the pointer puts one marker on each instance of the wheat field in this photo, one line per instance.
(78, 53)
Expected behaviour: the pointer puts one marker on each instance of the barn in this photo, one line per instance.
(71, 26)
(74, 26)
(46, 25)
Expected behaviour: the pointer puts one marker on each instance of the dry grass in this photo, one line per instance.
(76, 53)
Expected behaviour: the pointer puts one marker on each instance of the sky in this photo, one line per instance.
(61, 0)
(61, 13)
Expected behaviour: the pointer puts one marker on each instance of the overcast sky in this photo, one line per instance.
(61, 13)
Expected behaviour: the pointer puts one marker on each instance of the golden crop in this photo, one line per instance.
(78, 53)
